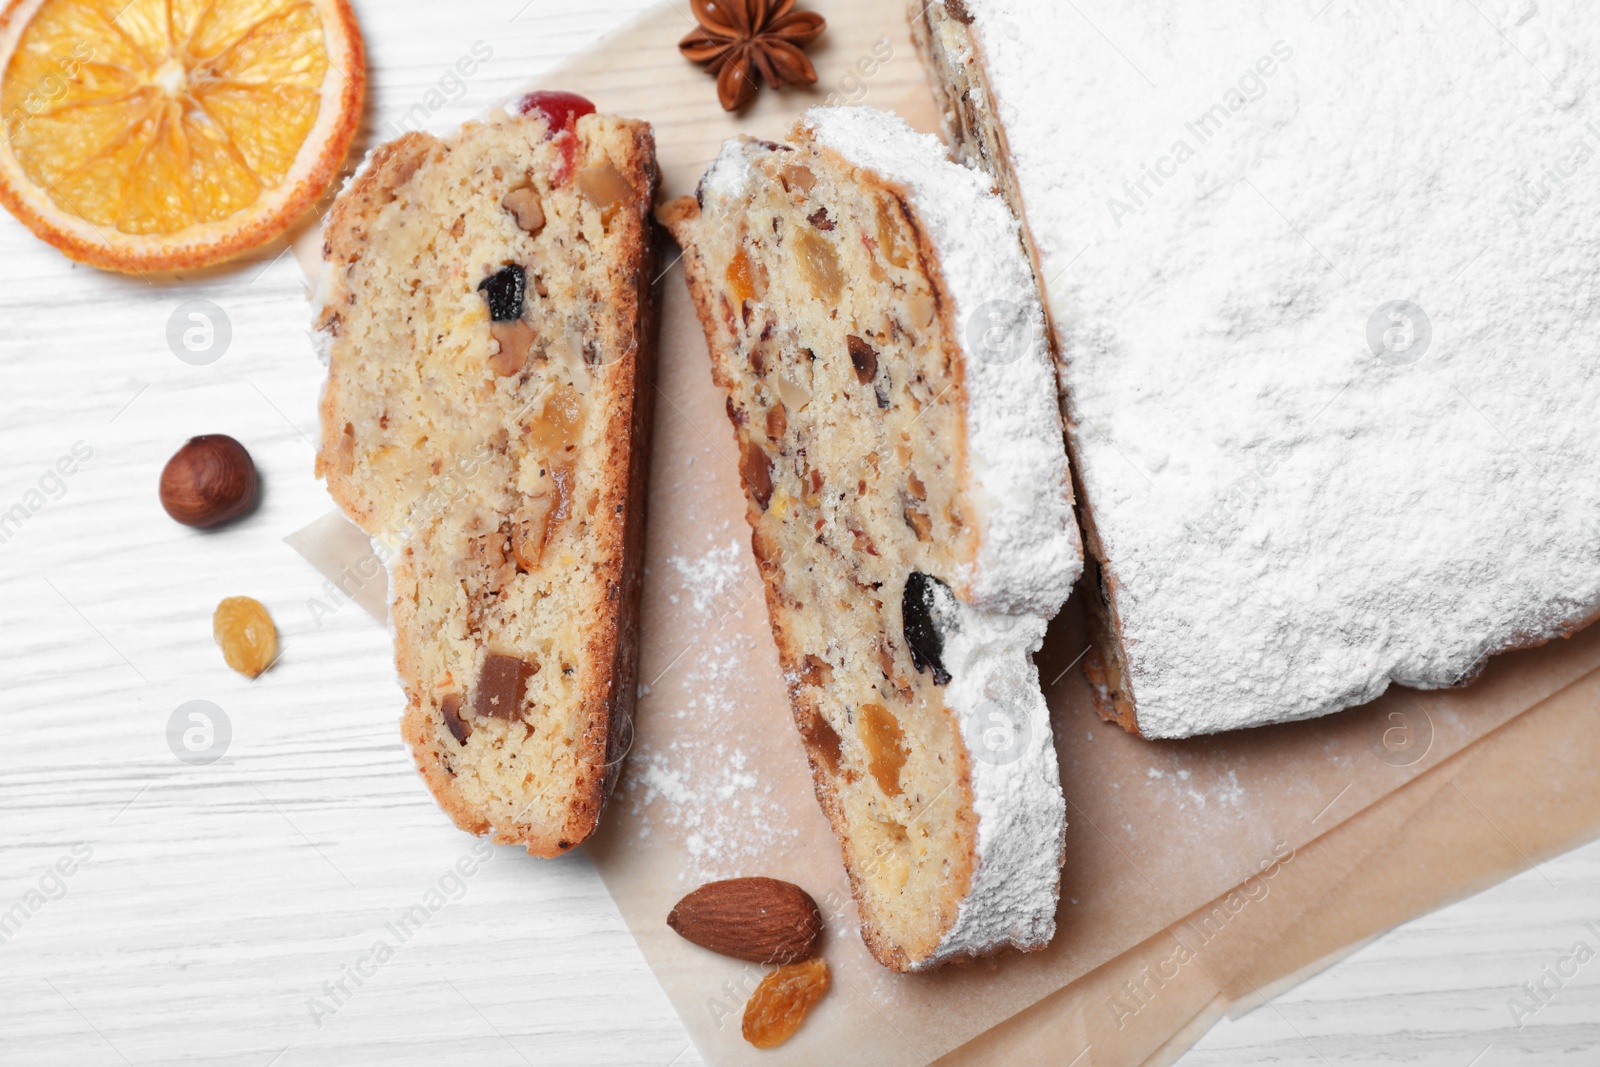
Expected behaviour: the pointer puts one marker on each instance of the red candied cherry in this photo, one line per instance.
(563, 110)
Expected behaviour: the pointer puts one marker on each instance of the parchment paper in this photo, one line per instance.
(1469, 823)
(716, 784)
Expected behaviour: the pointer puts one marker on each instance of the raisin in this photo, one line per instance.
(505, 290)
(820, 219)
(918, 608)
(864, 358)
(780, 1003)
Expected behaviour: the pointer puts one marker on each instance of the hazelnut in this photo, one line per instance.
(208, 481)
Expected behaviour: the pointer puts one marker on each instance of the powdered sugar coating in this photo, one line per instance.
(1029, 554)
(1303, 499)
(1016, 785)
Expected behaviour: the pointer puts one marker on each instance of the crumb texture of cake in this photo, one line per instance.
(1329, 391)
(874, 323)
(485, 306)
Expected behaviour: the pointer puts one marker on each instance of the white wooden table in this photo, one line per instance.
(229, 912)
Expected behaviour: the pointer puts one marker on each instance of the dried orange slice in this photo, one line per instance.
(156, 135)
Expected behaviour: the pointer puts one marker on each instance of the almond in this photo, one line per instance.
(761, 920)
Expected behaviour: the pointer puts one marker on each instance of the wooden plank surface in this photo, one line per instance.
(212, 912)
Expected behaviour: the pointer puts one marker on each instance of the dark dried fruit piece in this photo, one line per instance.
(780, 1003)
(501, 686)
(820, 219)
(450, 708)
(918, 611)
(505, 290)
(762, 920)
(756, 467)
(820, 737)
(864, 358)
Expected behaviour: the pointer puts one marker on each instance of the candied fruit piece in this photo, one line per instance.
(819, 264)
(552, 436)
(885, 743)
(780, 1003)
(741, 278)
(603, 185)
(562, 110)
(798, 176)
(890, 238)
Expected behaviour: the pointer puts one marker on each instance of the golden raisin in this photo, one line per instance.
(780, 1003)
(246, 635)
(886, 746)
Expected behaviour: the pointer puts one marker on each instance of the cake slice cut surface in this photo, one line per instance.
(875, 326)
(486, 309)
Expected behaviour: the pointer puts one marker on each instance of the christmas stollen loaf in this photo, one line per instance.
(1329, 396)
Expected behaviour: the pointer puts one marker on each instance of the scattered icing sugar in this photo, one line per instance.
(712, 795)
(1305, 490)
(710, 577)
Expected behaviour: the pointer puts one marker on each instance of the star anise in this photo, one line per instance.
(750, 43)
